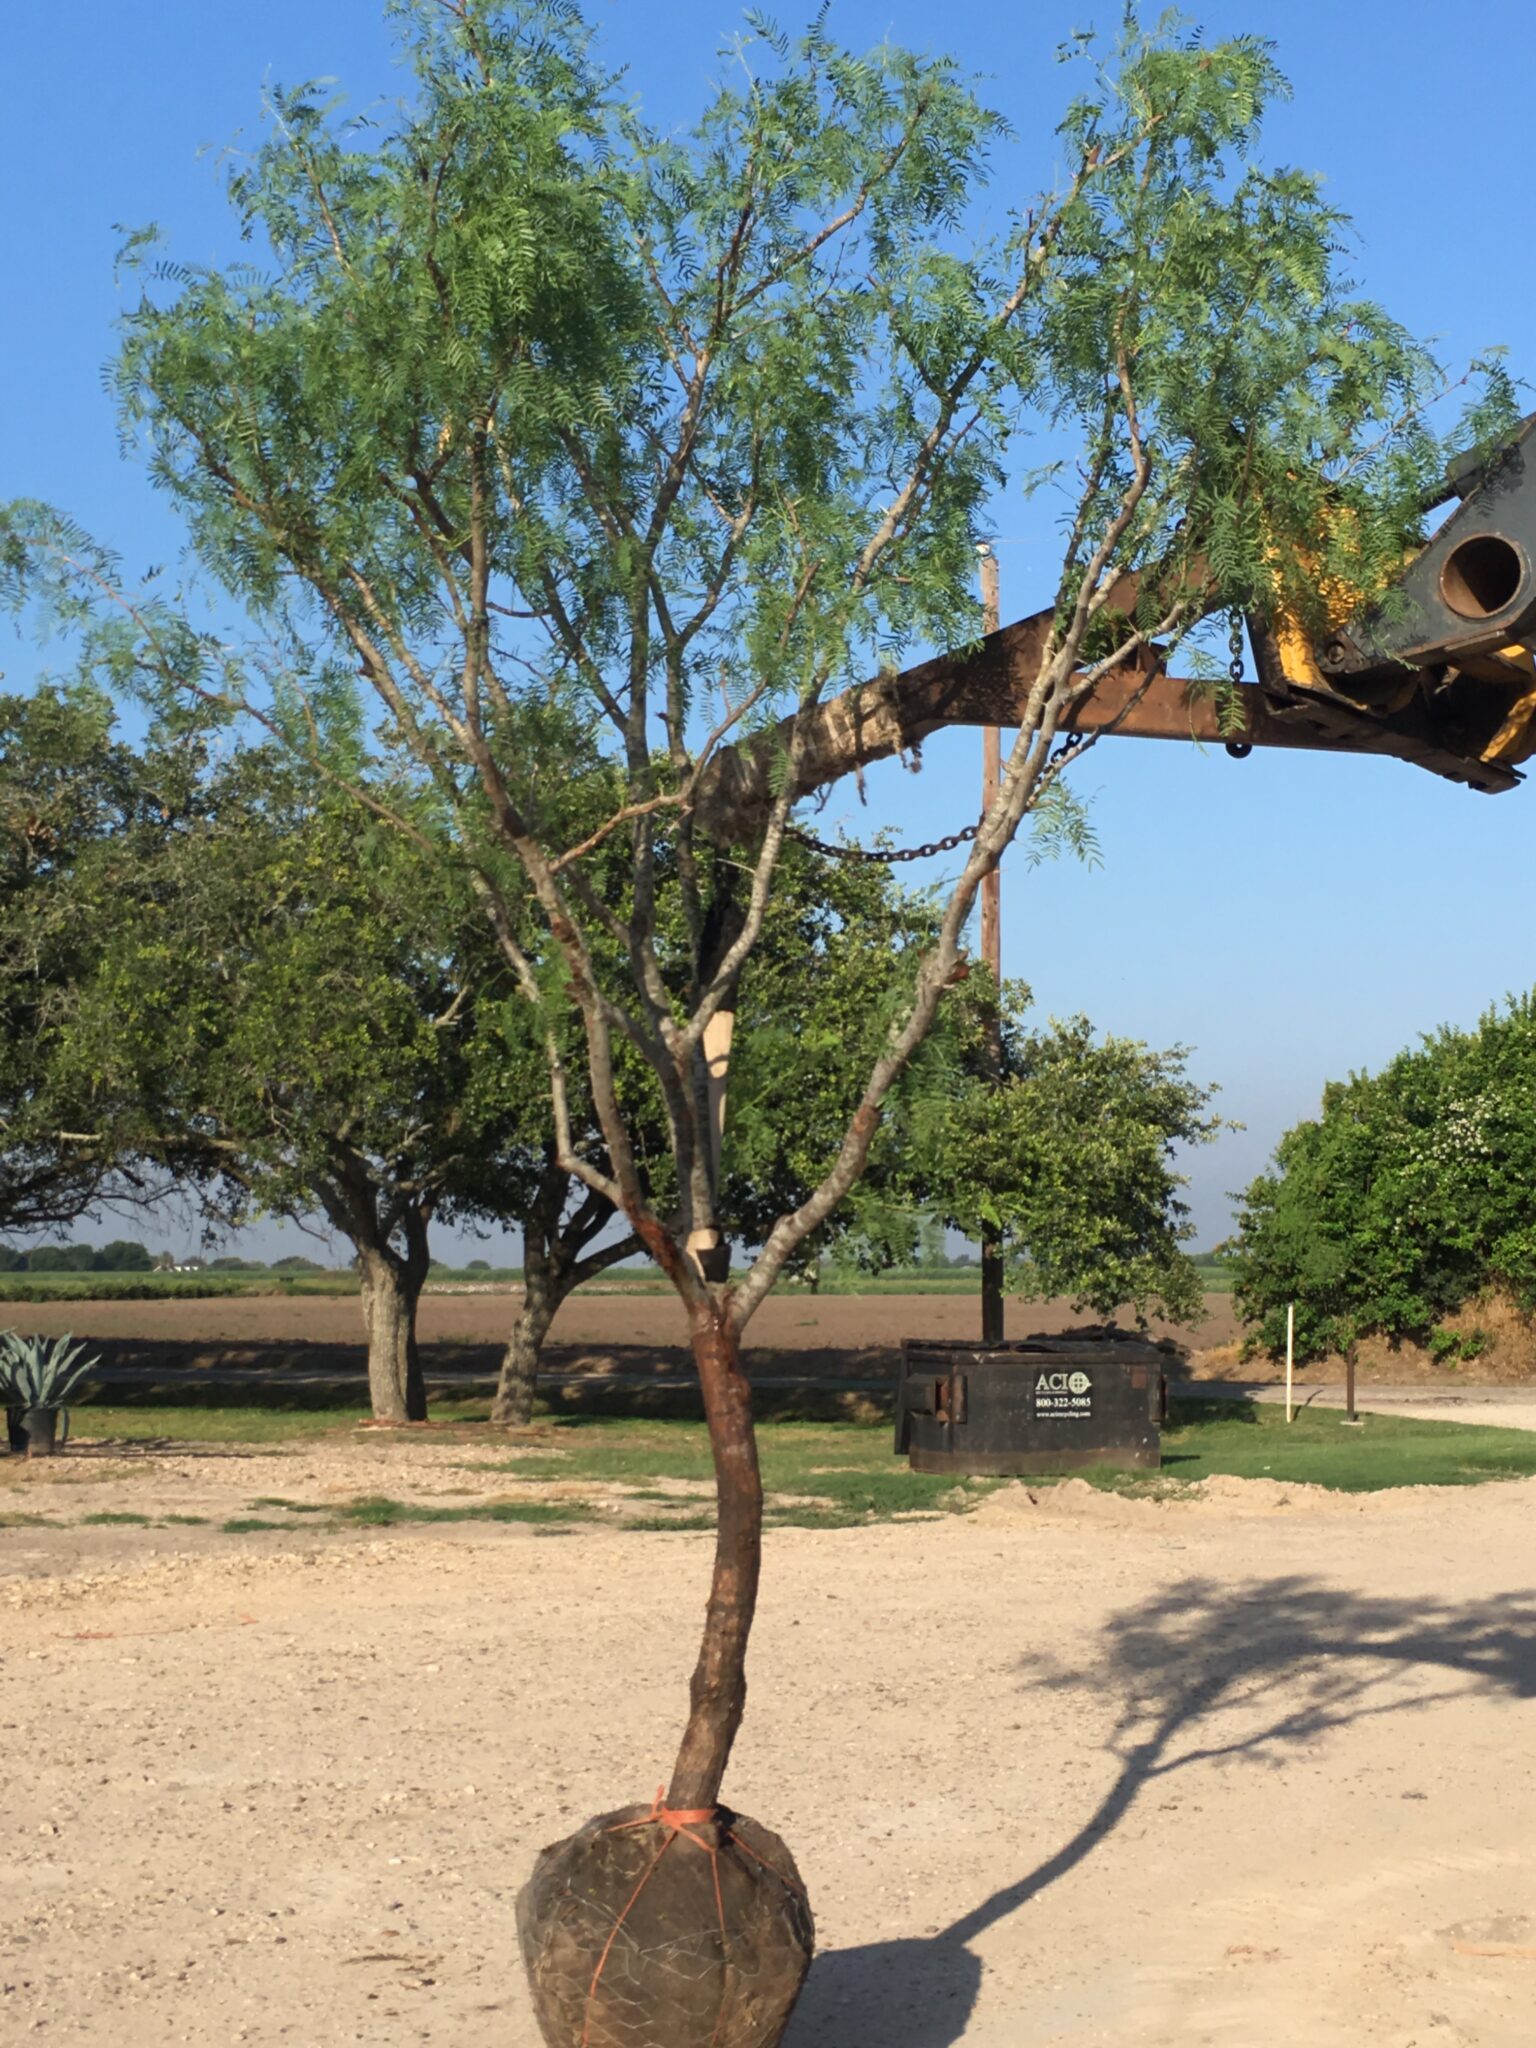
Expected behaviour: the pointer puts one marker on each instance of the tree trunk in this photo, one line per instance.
(718, 1693)
(553, 1267)
(542, 1295)
(391, 1290)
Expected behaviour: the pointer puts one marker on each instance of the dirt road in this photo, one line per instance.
(1247, 1772)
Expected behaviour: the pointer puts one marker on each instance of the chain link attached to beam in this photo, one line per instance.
(898, 854)
(1238, 749)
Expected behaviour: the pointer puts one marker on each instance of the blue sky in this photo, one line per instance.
(1287, 918)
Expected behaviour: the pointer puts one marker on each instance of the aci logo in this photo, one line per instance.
(1063, 1383)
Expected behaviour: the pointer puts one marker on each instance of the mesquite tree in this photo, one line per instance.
(525, 402)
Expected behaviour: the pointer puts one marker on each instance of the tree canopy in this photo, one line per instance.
(1407, 1196)
(1070, 1151)
(296, 1009)
(79, 811)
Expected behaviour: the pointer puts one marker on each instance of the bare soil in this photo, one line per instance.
(647, 1320)
(1247, 1770)
(794, 1333)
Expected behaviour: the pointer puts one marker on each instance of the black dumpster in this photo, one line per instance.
(1045, 1404)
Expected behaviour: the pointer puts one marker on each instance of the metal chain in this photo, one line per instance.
(1235, 648)
(900, 853)
(1238, 749)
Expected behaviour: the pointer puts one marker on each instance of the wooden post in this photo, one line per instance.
(991, 947)
(1290, 1360)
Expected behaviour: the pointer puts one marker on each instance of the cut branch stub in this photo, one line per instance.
(650, 1929)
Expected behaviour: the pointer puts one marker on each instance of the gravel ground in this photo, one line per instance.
(1245, 1770)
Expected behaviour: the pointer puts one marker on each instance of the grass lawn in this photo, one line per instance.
(1319, 1448)
(818, 1475)
(850, 1467)
(215, 1423)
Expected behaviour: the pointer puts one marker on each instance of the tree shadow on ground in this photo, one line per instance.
(1288, 1660)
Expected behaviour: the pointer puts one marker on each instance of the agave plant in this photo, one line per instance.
(40, 1372)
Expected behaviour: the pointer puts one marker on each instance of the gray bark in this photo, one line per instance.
(391, 1290)
(515, 1385)
(553, 1267)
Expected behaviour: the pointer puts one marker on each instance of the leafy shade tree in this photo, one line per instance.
(1406, 1197)
(522, 400)
(301, 1007)
(568, 1239)
(78, 810)
(1068, 1150)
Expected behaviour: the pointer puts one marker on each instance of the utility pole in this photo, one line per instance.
(991, 947)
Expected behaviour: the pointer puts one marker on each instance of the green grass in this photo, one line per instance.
(129, 1521)
(47, 1287)
(1254, 1441)
(378, 1511)
(838, 1475)
(1215, 1275)
(843, 1473)
(214, 1424)
(816, 1475)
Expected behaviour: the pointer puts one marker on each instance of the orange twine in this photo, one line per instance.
(677, 1821)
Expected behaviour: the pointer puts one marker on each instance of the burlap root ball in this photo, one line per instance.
(638, 1935)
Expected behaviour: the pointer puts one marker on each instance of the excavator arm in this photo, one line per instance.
(1438, 673)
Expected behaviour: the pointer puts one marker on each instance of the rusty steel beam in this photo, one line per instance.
(1171, 708)
(894, 714)
(870, 722)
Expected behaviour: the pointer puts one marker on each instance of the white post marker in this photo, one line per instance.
(1290, 1359)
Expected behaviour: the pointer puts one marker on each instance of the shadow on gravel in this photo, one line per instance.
(1288, 1661)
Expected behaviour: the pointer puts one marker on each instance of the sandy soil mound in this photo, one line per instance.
(1076, 1500)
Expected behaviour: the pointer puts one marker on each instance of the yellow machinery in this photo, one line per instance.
(1438, 673)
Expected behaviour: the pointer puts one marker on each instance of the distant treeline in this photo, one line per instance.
(126, 1255)
(121, 1256)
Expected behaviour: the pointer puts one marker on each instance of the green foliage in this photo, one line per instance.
(40, 1372)
(835, 964)
(1070, 1152)
(78, 811)
(1404, 1199)
(287, 1007)
(590, 447)
(122, 1255)
(61, 1258)
(1452, 1347)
